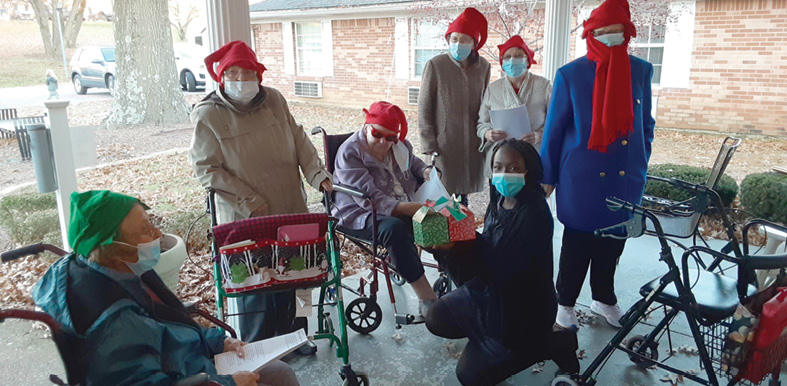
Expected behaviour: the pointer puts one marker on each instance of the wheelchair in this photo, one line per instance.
(69, 344)
(364, 314)
(705, 295)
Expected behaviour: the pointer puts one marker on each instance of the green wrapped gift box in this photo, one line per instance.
(430, 228)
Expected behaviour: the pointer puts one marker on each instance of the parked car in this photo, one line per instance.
(190, 61)
(93, 66)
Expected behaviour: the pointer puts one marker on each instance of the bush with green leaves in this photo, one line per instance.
(765, 196)
(31, 218)
(726, 188)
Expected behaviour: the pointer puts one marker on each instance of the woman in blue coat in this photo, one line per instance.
(597, 143)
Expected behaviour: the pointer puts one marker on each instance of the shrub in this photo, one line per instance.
(31, 218)
(726, 188)
(765, 196)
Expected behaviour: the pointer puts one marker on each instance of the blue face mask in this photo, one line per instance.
(460, 51)
(508, 184)
(611, 40)
(148, 255)
(515, 67)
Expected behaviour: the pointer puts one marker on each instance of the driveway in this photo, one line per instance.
(15, 97)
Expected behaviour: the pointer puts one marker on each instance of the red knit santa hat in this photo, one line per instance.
(470, 22)
(516, 41)
(389, 116)
(235, 53)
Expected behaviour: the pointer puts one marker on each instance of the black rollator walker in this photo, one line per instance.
(704, 295)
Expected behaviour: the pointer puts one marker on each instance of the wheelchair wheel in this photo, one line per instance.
(364, 315)
(651, 352)
(361, 379)
(396, 278)
(442, 286)
(563, 380)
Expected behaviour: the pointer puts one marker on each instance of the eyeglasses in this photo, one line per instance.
(390, 138)
(240, 74)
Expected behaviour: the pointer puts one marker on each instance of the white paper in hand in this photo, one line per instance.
(258, 354)
(515, 122)
(432, 190)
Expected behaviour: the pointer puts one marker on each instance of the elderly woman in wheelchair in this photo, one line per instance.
(379, 160)
(129, 328)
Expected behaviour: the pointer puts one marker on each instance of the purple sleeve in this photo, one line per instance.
(351, 171)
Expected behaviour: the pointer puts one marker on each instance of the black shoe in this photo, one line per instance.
(564, 351)
(307, 349)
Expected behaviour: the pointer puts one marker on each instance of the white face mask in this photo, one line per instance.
(611, 40)
(242, 92)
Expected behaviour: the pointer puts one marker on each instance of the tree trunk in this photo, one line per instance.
(74, 23)
(147, 90)
(42, 18)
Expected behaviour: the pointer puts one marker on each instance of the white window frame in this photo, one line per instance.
(324, 65)
(647, 46)
(439, 43)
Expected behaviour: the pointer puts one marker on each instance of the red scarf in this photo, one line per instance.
(613, 108)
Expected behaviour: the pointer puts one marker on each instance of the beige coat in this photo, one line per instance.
(534, 95)
(253, 157)
(448, 104)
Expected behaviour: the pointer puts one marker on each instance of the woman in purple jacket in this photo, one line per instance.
(379, 161)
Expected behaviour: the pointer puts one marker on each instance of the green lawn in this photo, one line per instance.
(22, 51)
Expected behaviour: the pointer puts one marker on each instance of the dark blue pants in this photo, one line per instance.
(396, 235)
(580, 251)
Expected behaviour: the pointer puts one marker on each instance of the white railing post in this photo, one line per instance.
(65, 173)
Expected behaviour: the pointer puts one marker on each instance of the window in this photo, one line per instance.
(309, 48)
(428, 41)
(649, 45)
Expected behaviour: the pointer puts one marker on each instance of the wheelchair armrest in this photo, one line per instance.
(766, 261)
(351, 191)
(28, 250)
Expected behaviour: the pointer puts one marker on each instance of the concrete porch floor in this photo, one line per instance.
(420, 358)
(27, 356)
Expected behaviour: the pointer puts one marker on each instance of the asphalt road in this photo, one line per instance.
(15, 97)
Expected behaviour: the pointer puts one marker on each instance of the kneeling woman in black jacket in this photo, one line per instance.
(507, 305)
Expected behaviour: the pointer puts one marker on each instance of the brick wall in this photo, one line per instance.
(738, 79)
(362, 60)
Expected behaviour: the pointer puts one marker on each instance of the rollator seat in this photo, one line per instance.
(716, 295)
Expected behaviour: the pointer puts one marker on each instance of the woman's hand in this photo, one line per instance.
(263, 210)
(245, 378)
(529, 138)
(548, 189)
(326, 185)
(495, 135)
(232, 344)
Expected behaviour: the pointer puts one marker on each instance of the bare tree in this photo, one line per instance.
(47, 23)
(147, 90)
(180, 19)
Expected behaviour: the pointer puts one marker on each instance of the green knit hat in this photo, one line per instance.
(95, 218)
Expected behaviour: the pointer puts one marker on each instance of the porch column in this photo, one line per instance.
(65, 172)
(228, 20)
(557, 36)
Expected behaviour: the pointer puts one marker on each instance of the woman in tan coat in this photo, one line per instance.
(248, 148)
(451, 89)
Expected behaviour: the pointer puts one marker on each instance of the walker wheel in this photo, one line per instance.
(396, 278)
(564, 380)
(650, 353)
(364, 315)
(442, 286)
(360, 379)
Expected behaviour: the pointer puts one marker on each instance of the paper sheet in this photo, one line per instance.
(432, 190)
(259, 354)
(515, 122)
